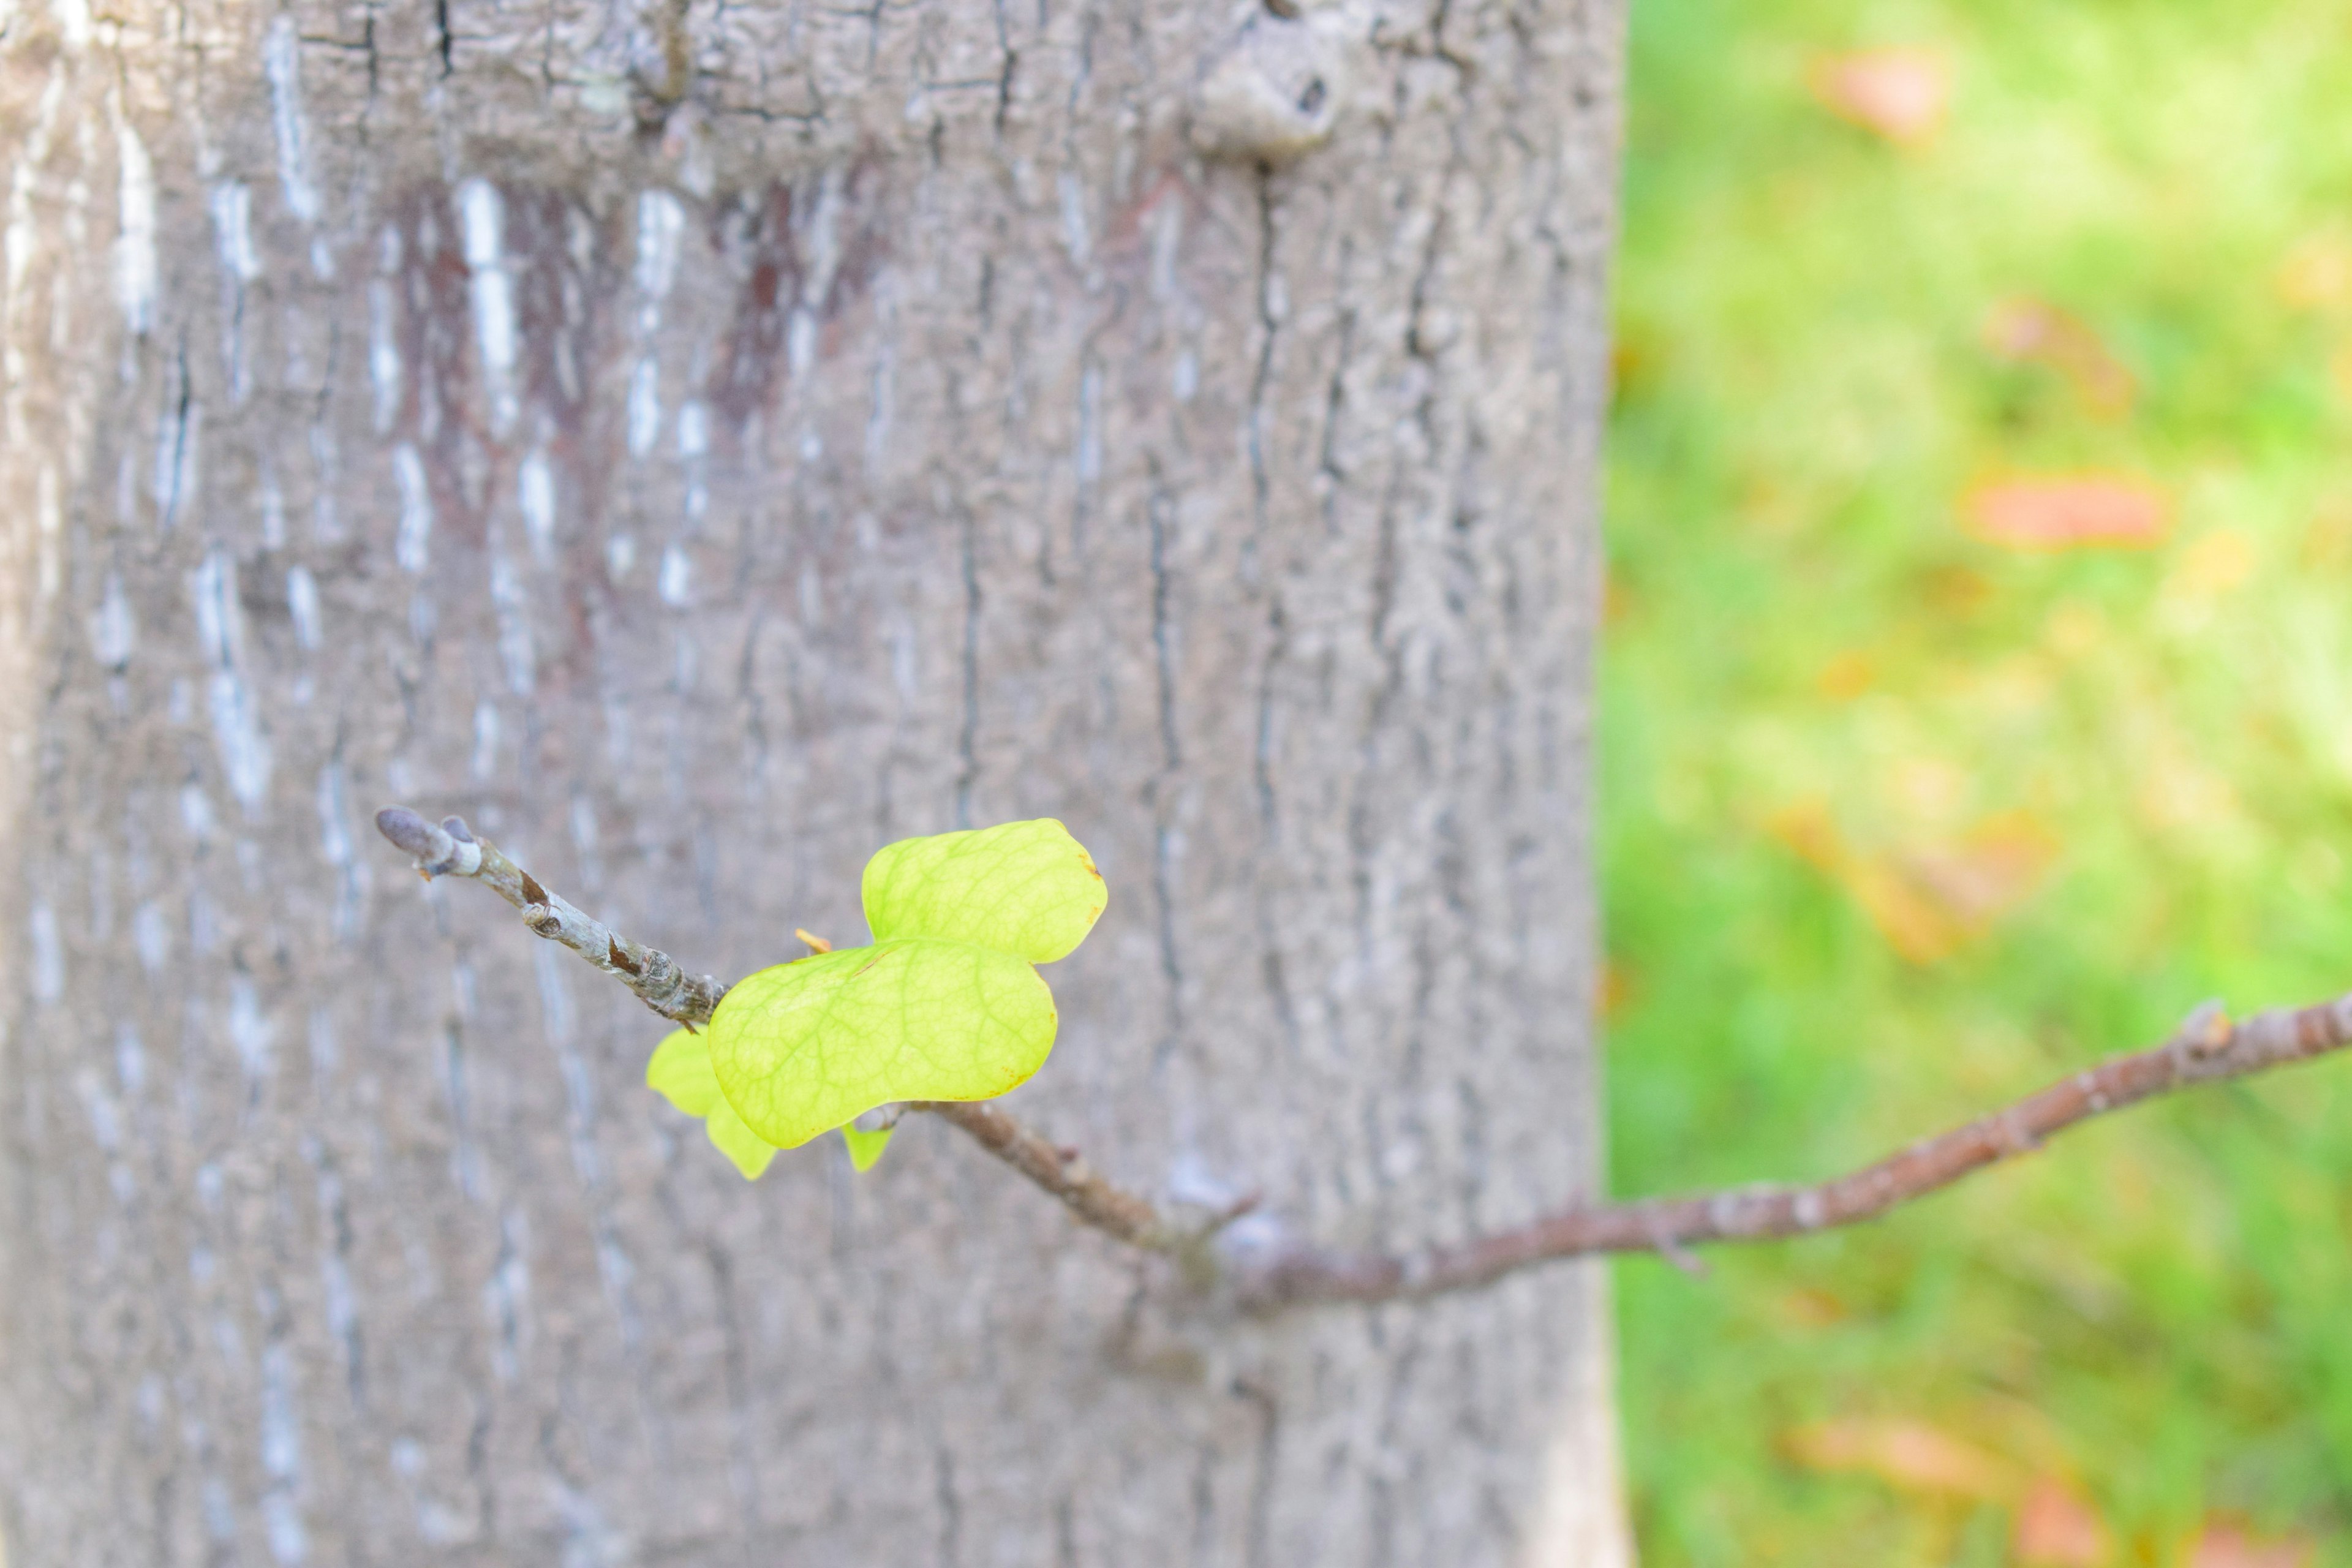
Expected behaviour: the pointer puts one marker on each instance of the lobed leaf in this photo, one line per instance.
(802, 1047)
(864, 1148)
(1023, 888)
(681, 1071)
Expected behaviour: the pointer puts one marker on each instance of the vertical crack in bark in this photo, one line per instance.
(1261, 481)
(1162, 786)
(968, 736)
(1004, 77)
(1205, 1506)
(742, 1444)
(951, 1509)
(1258, 1540)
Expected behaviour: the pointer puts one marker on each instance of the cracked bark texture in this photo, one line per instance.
(700, 445)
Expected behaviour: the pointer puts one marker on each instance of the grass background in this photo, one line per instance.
(1819, 686)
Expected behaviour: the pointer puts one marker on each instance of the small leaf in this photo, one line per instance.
(1024, 888)
(864, 1148)
(731, 1138)
(801, 1049)
(680, 1070)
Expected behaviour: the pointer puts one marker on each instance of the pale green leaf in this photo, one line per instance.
(680, 1070)
(728, 1134)
(801, 1049)
(864, 1148)
(1024, 888)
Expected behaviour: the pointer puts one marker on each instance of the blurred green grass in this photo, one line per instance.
(2084, 791)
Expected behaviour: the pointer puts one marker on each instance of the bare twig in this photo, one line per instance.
(1061, 1172)
(2207, 1048)
(450, 849)
(1265, 1270)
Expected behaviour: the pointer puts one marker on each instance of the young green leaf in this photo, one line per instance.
(1024, 888)
(801, 1049)
(864, 1148)
(680, 1070)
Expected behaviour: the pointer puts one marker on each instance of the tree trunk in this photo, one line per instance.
(700, 447)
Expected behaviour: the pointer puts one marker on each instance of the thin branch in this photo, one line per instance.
(1059, 1169)
(1264, 1270)
(2207, 1048)
(451, 849)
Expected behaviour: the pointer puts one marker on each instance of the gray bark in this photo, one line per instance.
(701, 445)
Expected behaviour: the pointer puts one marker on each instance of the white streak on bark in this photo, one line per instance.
(412, 543)
(22, 241)
(73, 22)
(236, 711)
(179, 430)
(514, 625)
(48, 953)
(281, 1457)
(486, 740)
(535, 493)
(644, 407)
(800, 341)
(677, 577)
(824, 242)
(130, 1060)
(232, 210)
(383, 352)
(105, 1119)
(249, 1029)
(48, 514)
(335, 845)
(152, 934)
(232, 207)
(303, 605)
(273, 509)
(134, 245)
(281, 61)
(660, 221)
(492, 291)
(1074, 237)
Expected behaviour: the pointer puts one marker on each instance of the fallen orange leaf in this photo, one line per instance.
(2229, 1546)
(1985, 874)
(1909, 1456)
(1927, 903)
(1897, 93)
(2056, 1529)
(2068, 512)
(2034, 331)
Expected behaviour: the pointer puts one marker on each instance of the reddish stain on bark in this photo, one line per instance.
(758, 228)
(768, 235)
